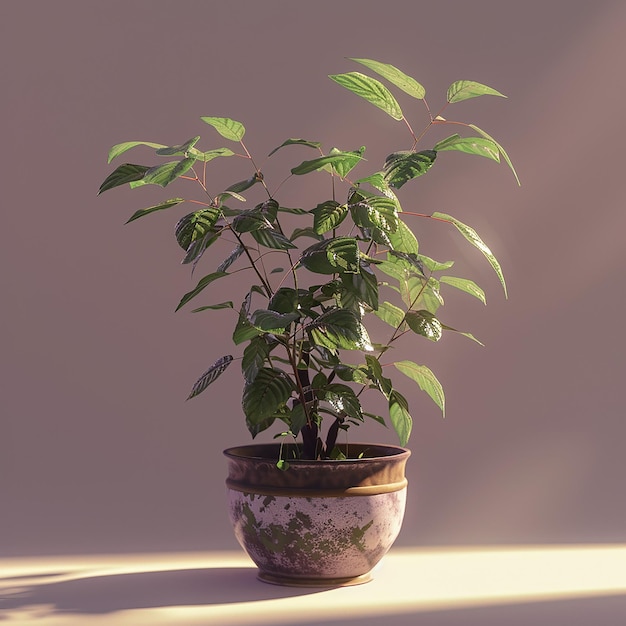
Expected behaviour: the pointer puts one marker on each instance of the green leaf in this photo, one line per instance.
(459, 332)
(339, 328)
(267, 393)
(209, 155)
(305, 232)
(371, 90)
(466, 285)
(244, 185)
(196, 225)
(470, 145)
(400, 418)
(391, 314)
(227, 128)
(424, 323)
(371, 211)
(182, 149)
(400, 167)
(395, 76)
(253, 358)
(120, 148)
(204, 282)
(285, 300)
(199, 246)
(332, 256)
(126, 173)
(328, 215)
(500, 148)
(426, 380)
(375, 374)
(364, 286)
(435, 266)
(249, 221)
(212, 374)
(403, 239)
(343, 399)
(272, 238)
(472, 236)
(159, 207)
(465, 89)
(267, 320)
(297, 419)
(342, 162)
(213, 307)
(296, 142)
(164, 174)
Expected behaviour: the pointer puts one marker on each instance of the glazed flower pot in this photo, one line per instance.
(318, 523)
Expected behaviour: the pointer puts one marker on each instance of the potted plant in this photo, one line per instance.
(314, 509)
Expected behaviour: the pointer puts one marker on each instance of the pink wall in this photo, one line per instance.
(98, 450)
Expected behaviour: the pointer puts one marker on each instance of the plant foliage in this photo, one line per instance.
(309, 297)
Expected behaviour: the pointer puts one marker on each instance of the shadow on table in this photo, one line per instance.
(119, 592)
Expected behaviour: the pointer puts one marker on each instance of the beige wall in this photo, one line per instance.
(98, 450)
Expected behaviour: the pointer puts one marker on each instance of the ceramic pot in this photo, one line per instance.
(318, 523)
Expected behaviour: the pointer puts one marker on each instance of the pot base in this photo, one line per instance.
(288, 581)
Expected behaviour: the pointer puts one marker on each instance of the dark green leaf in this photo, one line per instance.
(400, 417)
(198, 247)
(204, 282)
(243, 185)
(195, 226)
(298, 142)
(332, 256)
(159, 207)
(231, 258)
(465, 89)
(126, 173)
(364, 286)
(285, 300)
(272, 238)
(343, 399)
(340, 161)
(400, 167)
(210, 375)
(328, 215)
(426, 380)
(472, 236)
(213, 307)
(249, 221)
(375, 374)
(424, 323)
(395, 76)
(120, 148)
(371, 211)
(253, 357)
(339, 328)
(227, 128)
(371, 90)
(305, 232)
(267, 320)
(265, 395)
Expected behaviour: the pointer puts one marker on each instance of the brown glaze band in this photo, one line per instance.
(367, 490)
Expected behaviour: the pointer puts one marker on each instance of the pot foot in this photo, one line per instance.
(288, 581)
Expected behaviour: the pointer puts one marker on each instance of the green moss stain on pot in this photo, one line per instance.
(357, 535)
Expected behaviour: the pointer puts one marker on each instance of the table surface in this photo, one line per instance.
(510, 586)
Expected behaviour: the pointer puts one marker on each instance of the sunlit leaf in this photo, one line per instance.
(164, 174)
(426, 380)
(371, 90)
(424, 323)
(470, 145)
(328, 215)
(342, 162)
(400, 417)
(465, 89)
(391, 314)
(120, 148)
(182, 149)
(459, 332)
(339, 328)
(466, 285)
(500, 148)
(395, 76)
(332, 256)
(472, 236)
(227, 128)
(195, 225)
